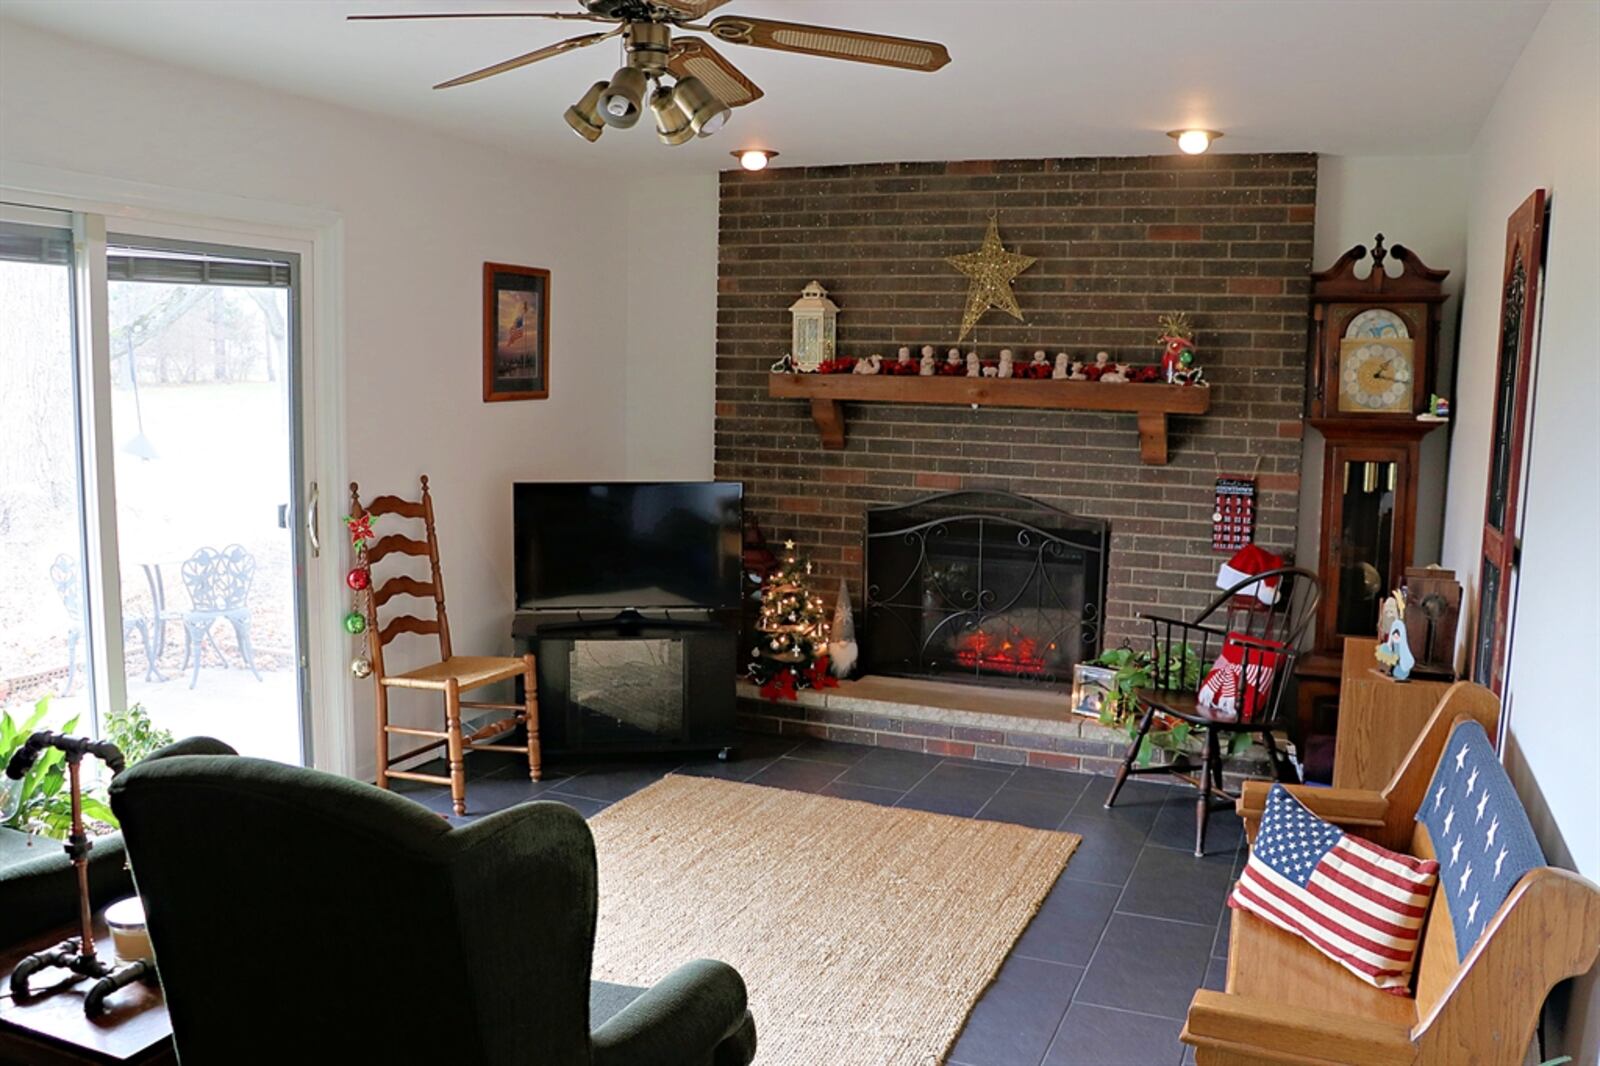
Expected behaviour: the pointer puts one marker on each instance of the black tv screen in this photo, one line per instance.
(627, 545)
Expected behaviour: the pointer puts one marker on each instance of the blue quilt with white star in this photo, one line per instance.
(1480, 832)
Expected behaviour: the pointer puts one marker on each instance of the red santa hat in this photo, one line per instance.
(1246, 563)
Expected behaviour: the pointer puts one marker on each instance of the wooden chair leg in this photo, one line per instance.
(1210, 760)
(381, 702)
(530, 696)
(452, 727)
(1133, 753)
(1279, 762)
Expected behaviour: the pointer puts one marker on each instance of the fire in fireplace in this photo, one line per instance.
(982, 586)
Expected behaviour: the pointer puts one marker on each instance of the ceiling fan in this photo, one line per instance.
(704, 87)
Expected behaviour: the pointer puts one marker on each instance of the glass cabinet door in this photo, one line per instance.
(1366, 541)
(1370, 500)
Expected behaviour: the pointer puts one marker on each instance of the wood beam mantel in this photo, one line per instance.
(1150, 402)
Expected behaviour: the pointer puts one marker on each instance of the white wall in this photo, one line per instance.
(420, 214)
(1541, 133)
(672, 326)
(1420, 202)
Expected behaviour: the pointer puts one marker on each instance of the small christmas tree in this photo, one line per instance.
(792, 651)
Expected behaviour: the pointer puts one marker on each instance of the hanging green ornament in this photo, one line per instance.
(355, 623)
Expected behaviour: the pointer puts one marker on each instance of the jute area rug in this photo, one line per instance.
(865, 934)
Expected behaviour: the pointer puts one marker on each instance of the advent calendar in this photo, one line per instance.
(1233, 522)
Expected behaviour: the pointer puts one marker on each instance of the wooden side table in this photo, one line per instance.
(49, 1028)
(1379, 718)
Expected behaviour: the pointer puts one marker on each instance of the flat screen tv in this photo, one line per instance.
(584, 546)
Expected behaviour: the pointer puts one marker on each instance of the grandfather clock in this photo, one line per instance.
(1374, 355)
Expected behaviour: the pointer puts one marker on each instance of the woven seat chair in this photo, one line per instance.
(452, 674)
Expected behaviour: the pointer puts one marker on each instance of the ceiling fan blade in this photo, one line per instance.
(830, 43)
(546, 52)
(692, 56)
(691, 9)
(482, 15)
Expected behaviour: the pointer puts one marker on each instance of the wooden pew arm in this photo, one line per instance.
(1548, 929)
(1241, 1029)
(1359, 810)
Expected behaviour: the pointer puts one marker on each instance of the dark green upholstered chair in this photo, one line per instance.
(302, 917)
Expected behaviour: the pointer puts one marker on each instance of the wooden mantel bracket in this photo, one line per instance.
(829, 417)
(1151, 403)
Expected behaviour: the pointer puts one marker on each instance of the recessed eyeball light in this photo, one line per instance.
(1193, 142)
(754, 158)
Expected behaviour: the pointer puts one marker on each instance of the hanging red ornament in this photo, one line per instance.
(358, 578)
(360, 527)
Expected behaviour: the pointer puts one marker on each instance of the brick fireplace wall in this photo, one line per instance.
(1119, 241)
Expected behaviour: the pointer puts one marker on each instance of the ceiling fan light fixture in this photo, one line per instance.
(705, 112)
(672, 125)
(754, 158)
(584, 116)
(1193, 142)
(623, 98)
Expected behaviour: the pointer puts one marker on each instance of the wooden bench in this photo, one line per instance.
(1287, 1003)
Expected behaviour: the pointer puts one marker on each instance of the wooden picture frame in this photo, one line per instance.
(516, 333)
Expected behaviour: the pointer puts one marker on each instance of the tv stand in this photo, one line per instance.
(633, 682)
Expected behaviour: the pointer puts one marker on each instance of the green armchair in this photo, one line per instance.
(302, 917)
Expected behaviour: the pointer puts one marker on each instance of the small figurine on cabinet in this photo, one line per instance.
(1178, 336)
(872, 364)
(1394, 648)
(1007, 359)
(953, 363)
(1063, 367)
(974, 368)
(929, 361)
(1077, 372)
(903, 357)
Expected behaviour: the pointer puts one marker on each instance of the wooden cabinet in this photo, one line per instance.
(1379, 718)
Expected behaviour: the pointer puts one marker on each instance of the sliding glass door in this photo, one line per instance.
(203, 417)
(151, 467)
(45, 627)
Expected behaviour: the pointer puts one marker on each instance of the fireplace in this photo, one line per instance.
(982, 586)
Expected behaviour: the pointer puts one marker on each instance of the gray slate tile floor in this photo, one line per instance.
(1103, 974)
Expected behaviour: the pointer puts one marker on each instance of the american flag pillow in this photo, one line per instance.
(1357, 903)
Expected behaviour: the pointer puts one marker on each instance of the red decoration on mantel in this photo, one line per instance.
(358, 578)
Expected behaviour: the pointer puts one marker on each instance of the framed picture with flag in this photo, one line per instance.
(516, 333)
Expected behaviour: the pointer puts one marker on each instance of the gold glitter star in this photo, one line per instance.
(992, 269)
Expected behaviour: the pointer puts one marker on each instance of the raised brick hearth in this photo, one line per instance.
(1226, 238)
(1009, 726)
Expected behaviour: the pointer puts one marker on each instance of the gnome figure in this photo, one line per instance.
(842, 648)
(903, 357)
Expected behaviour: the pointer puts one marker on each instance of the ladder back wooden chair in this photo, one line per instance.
(452, 674)
(1262, 642)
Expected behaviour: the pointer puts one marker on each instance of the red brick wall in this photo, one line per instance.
(1226, 238)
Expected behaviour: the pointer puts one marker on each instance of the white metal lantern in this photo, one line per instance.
(816, 324)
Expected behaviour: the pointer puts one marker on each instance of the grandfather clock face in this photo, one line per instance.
(1376, 366)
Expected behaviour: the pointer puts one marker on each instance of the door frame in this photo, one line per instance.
(316, 236)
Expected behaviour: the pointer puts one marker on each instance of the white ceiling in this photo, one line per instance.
(1027, 77)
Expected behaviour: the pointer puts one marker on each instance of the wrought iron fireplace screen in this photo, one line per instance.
(982, 586)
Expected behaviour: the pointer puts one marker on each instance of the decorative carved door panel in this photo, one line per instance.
(1519, 306)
